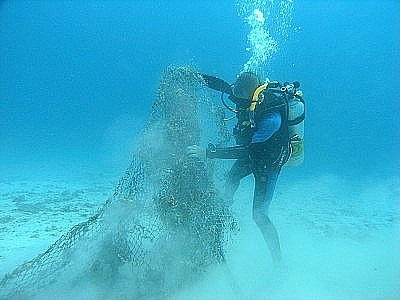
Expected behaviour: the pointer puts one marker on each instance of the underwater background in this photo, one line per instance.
(77, 80)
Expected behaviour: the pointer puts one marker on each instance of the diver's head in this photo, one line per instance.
(245, 85)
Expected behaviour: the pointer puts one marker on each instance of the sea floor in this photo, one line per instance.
(340, 239)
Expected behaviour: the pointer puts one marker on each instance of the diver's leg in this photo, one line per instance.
(240, 169)
(263, 192)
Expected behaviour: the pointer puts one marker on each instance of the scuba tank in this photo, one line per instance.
(296, 112)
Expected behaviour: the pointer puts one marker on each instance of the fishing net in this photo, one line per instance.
(165, 223)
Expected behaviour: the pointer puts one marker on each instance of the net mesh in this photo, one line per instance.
(165, 223)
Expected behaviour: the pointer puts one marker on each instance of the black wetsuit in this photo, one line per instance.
(262, 150)
(267, 145)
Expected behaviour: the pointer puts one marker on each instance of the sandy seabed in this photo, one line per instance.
(340, 239)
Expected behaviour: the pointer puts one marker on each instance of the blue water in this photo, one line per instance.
(71, 71)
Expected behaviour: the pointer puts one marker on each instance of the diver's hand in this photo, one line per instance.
(196, 152)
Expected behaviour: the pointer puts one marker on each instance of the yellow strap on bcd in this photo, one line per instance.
(256, 94)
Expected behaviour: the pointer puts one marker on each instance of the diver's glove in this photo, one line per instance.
(196, 153)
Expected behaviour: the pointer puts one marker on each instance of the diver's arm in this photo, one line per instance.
(198, 153)
(235, 152)
(217, 84)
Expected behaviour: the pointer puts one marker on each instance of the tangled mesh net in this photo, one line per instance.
(165, 223)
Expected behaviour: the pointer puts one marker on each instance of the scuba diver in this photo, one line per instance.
(267, 115)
